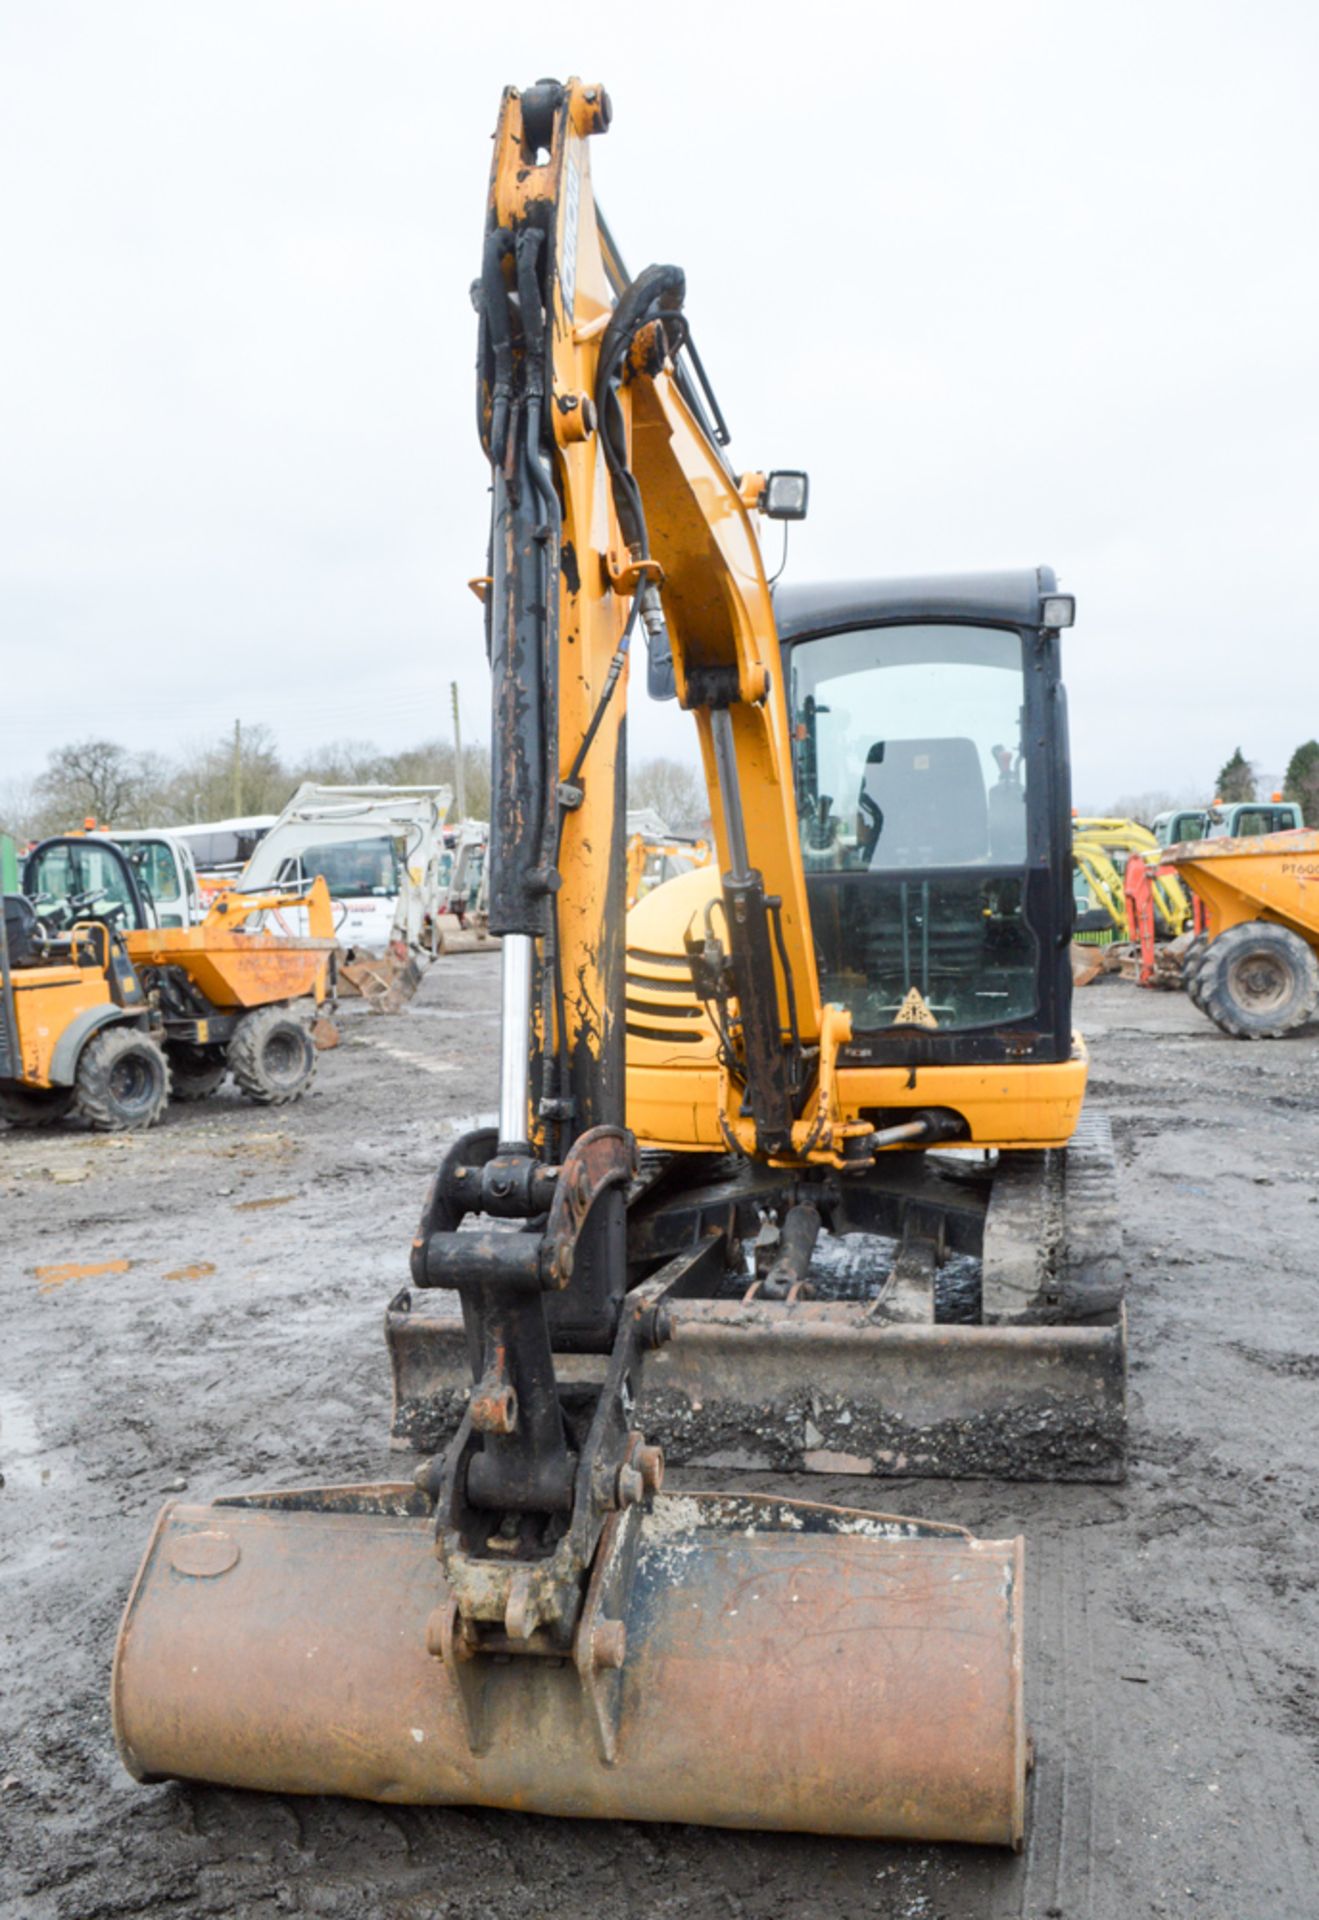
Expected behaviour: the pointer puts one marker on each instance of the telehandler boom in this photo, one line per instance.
(532, 1622)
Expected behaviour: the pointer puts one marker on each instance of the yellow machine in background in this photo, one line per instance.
(1255, 970)
(789, 1169)
(653, 860)
(105, 1015)
(1100, 849)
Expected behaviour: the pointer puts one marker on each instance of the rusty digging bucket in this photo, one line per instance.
(386, 981)
(780, 1665)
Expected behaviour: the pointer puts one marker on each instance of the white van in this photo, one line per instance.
(166, 872)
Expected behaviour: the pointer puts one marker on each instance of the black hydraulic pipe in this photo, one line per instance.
(655, 292)
(494, 303)
(767, 1061)
(517, 686)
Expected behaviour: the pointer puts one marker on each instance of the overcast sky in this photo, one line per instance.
(1016, 282)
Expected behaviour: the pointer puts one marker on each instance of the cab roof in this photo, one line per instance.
(1010, 599)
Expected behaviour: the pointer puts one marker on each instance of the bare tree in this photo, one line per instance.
(673, 787)
(346, 763)
(431, 763)
(203, 781)
(100, 780)
(1144, 807)
(97, 780)
(18, 808)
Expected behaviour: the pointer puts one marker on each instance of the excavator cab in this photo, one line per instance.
(929, 757)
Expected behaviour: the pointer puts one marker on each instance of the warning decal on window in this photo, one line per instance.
(914, 1012)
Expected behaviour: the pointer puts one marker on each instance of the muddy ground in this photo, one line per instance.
(232, 1337)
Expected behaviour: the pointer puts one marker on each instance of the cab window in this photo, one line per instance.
(356, 869)
(159, 871)
(911, 778)
(72, 881)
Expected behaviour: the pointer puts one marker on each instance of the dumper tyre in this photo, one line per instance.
(196, 1072)
(1258, 981)
(1193, 958)
(123, 1081)
(34, 1106)
(1196, 987)
(1193, 966)
(272, 1056)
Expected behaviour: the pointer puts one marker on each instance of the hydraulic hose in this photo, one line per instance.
(498, 326)
(656, 292)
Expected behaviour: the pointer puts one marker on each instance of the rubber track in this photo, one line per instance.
(1053, 1244)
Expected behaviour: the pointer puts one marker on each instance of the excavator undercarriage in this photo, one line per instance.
(929, 1317)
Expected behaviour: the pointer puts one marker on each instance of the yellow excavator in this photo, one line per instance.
(789, 1167)
(1101, 848)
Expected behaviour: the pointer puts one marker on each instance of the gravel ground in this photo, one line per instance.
(202, 1308)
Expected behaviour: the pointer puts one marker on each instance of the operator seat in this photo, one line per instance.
(923, 804)
(21, 929)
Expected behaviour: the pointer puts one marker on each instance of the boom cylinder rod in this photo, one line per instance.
(730, 791)
(515, 1039)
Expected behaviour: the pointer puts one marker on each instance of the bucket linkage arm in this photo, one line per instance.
(539, 1495)
(541, 1483)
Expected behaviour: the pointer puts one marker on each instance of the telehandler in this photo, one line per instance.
(792, 1168)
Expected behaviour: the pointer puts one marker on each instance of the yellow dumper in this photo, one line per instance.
(1257, 973)
(106, 1015)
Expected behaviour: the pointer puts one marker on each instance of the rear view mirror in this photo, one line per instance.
(786, 496)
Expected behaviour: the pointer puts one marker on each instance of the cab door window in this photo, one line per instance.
(911, 772)
(72, 881)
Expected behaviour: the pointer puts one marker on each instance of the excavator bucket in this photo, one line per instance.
(385, 981)
(775, 1664)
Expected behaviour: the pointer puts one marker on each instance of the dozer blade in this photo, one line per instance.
(820, 1387)
(783, 1665)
